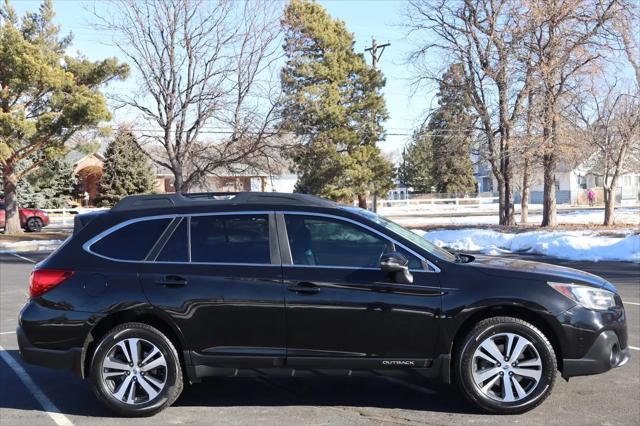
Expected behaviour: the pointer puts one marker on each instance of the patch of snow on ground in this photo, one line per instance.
(31, 245)
(570, 245)
(629, 216)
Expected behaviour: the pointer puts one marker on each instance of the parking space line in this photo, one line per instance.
(48, 406)
(8, 332)
(20, 257)
(409, 385)
(631, 303)
(634, 348)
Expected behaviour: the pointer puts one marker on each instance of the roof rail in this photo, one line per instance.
(139, 202)
(215, 195)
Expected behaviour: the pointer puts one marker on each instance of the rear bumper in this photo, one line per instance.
(68, 359)
(605, 353)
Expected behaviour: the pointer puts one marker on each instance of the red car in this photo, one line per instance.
(31, 220)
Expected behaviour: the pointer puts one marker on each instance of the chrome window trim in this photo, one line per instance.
(353, 268)
(430, 264)
(87, 245)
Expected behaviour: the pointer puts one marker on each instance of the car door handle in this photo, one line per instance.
(304, 288)
(172, 281)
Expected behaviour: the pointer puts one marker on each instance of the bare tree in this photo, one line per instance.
(487, 38)
(611, 128)
(626, 27)
(570, 36)
(204, 68)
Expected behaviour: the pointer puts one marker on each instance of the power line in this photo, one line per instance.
(218, 131)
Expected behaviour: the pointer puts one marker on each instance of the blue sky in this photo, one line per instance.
(366, 19)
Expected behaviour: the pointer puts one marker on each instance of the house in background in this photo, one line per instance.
(572, 184)
(248, 180)
(400, 191)
(88, 169)
(484, 177)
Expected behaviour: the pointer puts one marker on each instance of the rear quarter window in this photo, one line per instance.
(131, 242)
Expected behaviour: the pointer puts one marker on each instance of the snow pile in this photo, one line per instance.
(31, 245)
(571, 245)
(628, 216)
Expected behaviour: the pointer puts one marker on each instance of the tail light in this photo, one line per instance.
(43, 280)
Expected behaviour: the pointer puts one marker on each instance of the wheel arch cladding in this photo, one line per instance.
(534, 318)
(146, 317)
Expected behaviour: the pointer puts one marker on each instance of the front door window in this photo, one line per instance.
(322, 241)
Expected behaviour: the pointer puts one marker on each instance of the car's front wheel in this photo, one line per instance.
(136, 371)
(505, 365)
(34, 224)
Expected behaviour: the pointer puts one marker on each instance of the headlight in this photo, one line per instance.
(589, 297)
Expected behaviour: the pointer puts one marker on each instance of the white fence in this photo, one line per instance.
(437, 205)
(411, 206)
(65, 216)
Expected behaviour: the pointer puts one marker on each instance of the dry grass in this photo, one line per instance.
(31, 236)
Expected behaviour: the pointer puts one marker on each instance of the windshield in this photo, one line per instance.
(404, 233)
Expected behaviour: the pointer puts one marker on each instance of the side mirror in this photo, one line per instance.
(396, 263)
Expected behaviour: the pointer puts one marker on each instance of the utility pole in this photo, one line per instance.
(375, 57)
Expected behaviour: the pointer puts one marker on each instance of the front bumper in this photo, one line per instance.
(604, 354)
(593, 342)
(69, 359)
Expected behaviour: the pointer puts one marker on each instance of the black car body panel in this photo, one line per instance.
(226, 316)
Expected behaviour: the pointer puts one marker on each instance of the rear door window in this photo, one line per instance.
(176, 249)
(133, 241)
(230, 239)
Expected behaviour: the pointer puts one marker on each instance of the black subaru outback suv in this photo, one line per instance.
(167, 288)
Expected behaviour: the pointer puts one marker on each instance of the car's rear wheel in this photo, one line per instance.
(34, 224)
(136, 371)
(505, 365)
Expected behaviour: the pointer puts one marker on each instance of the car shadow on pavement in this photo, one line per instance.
(366, 391)
(73, 396)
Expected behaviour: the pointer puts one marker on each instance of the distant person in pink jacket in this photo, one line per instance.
(591, 196)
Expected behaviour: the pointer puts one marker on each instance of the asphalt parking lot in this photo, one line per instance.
(32, 395)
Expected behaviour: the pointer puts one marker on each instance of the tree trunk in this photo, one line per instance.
(12, 215)
(509, 219)
(549, 202)
(609, 206)
(501, 209)
(362, 201)
(524, 203)
(178, 182)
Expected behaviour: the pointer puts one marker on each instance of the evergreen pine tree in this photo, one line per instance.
(451, 130)
(333, 103)
(52, 185)
(126, 170)
(417, 162)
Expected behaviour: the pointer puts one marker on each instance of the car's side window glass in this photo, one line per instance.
(324, 241)
(414, 263)
(133, 241)
(176, 249)
(230, 239)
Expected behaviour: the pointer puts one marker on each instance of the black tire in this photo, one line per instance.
(487, 401)
(174, 377)
(34, 224)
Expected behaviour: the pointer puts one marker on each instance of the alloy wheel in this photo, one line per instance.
(506, 367)
(134, 371)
